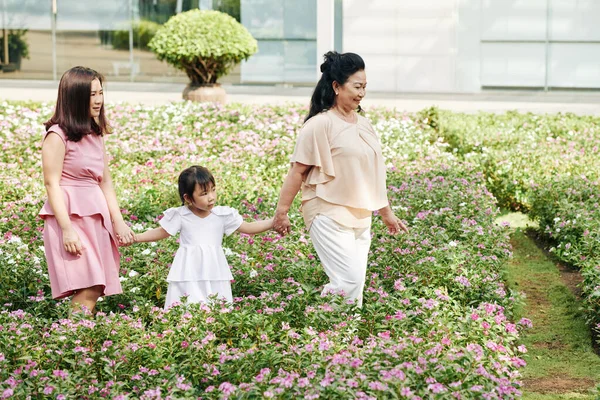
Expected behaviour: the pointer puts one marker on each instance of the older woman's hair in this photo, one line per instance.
(72, 112)
(336, 68)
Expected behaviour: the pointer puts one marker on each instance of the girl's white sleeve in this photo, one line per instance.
(171, 221)
(231, 218)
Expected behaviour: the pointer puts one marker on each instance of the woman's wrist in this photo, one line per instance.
(119, 220)
(281, 210)
(385, 211)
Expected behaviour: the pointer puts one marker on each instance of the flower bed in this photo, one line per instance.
(437, 319)
(548, 166)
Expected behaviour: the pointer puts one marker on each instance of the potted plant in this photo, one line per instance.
(206, 45)
(17, 47)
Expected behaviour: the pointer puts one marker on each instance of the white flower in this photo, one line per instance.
(227, 251)
(133, 273)
(253, 273)
(122, 279)
(146, 252)
(14, 239)
(134, 290)
(452, 244)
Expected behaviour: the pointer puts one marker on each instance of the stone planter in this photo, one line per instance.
(213, 93)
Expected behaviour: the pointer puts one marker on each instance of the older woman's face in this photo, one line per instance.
(352, 92)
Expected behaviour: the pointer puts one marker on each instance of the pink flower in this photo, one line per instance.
(384, 335)
(522, 349)
(436, 387)
(60, 373)
(511, 328)
(227, 388)
(525, 322)
(378, 386)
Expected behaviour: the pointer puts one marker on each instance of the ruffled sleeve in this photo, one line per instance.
(231, 218)
(313, 148)
(171, 221)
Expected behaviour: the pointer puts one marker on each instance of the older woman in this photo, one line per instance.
(339, 165)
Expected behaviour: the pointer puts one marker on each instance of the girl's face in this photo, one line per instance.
(96, 98)
(203, 199)
(352, 92)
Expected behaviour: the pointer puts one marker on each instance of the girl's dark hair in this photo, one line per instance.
(192, 176)
(336, 68)
(72, 112)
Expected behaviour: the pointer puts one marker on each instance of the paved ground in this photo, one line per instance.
(579, 102)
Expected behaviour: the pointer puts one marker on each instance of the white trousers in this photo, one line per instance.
(344, 253)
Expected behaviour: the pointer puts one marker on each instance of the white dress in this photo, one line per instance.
(200, 268)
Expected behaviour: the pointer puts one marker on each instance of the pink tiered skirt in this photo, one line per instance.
(99, 263)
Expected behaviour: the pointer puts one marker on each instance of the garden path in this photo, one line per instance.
(561, 362)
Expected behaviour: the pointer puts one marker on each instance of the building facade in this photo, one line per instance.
(452, 46)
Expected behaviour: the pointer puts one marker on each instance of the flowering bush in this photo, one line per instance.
(547, 165)
(436, 321)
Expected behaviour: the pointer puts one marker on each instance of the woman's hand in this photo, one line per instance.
(281, 223)
(71, 242)
(393, 223)
(124, 233)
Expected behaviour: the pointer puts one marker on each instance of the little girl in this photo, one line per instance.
(200, 268)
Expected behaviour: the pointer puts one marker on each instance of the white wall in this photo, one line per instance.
(408, 45)
(464, 45)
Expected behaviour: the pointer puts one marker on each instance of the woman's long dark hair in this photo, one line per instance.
(336, 68)
(72, 112)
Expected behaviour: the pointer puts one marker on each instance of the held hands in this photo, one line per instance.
(124, 234)
(72, 243)
(281, 223)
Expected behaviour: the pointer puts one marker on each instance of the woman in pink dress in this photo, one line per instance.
(83, 224)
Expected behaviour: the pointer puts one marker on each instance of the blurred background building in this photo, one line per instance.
(450, 46)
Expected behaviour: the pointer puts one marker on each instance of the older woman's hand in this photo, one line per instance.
(393, 223)
(281, 223)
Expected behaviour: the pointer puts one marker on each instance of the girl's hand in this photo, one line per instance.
(123, 233)
(393, 223)
(72, 243)
(281, 223)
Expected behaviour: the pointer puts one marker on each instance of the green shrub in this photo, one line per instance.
(17, 45)
(143, 32)
(204, 44)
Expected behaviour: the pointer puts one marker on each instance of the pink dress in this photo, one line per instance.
(82, 173)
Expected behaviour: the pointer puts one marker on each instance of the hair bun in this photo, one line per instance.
(330, 58)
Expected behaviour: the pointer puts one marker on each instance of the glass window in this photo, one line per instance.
(286, 31)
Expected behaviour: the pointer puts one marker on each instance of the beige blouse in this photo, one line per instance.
(347, 180)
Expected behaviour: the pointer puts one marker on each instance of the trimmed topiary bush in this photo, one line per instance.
(204, 44)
